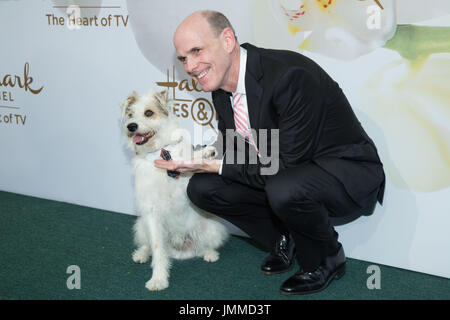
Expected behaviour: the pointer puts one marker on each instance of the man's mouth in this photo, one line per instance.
(202, 74)
(140, 139)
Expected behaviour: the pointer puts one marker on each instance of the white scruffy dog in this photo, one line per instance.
(169, 226)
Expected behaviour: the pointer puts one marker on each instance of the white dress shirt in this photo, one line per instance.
(240, 88)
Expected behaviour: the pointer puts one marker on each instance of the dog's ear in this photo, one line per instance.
(125, 105)
(163, 99)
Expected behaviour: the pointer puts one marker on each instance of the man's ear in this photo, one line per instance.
(229, 38)
(163, 100)
(125, 104)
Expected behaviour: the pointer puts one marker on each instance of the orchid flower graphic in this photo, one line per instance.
(409, 97)
(337, 27)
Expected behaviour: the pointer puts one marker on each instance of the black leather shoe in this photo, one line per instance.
(281, 258)
(303, 282)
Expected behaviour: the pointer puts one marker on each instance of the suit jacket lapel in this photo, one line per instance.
(253, 88)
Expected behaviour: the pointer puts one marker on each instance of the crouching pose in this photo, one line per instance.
(329, 169)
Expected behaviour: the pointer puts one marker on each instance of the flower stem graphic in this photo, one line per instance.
(418, 43)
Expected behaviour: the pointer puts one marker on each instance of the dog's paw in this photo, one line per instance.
(141, 255)
(211, 256)
(155, 284)
(209, 152)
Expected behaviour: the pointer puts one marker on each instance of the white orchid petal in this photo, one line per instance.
(293, 14)
(346, 43)
(411, 107)
(413, 11)
(339, 28)
(368, 21)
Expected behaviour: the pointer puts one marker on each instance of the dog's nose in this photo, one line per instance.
(132, 127)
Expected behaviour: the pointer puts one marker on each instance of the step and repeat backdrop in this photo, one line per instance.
(65, 66)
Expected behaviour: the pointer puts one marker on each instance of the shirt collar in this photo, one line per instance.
(240, 88)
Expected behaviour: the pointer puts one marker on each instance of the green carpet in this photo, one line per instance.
(39, 239)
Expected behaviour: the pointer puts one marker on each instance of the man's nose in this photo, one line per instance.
(190, 65)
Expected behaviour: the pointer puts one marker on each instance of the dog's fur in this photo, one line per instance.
(168, 225)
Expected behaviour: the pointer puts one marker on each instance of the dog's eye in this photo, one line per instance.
(148, 113)
(129, 115)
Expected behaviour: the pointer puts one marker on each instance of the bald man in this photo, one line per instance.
(329, 169)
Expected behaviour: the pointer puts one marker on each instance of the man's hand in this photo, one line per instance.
(194, 166)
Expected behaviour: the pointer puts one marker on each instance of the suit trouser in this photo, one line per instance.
(299, 200)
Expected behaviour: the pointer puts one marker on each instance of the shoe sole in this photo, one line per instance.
(268, 273)
(340, 271)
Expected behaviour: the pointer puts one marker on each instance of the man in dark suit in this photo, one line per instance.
(327, 167)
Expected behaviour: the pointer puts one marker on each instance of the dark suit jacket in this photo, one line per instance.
(290, 92)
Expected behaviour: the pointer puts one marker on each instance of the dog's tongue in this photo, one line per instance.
(138, 138)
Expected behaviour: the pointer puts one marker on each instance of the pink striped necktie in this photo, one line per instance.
(241, 118)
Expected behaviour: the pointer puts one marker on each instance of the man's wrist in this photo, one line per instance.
(215, 166)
